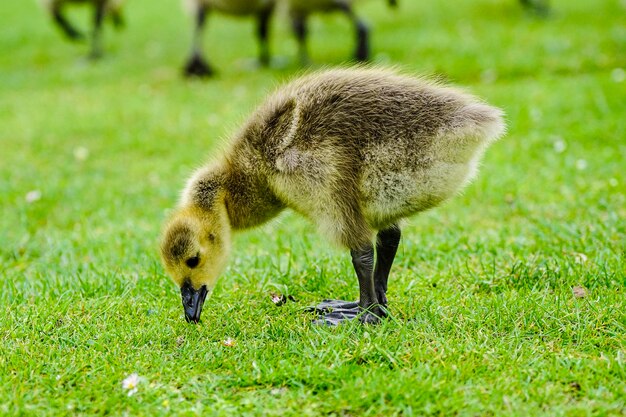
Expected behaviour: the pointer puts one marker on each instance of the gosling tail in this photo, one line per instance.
(480, 121)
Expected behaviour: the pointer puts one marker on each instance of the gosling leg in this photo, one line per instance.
(386, 247)
(196, 65)
(368, 308)
(263, 34)
(363, 262)
(362, 52)
(69, 30)
(96, 47)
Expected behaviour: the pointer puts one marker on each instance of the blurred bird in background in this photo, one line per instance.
(101, 9)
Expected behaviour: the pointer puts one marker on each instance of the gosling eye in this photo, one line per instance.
(193, 261)
(211, 237)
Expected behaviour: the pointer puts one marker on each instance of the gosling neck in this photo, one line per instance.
(249, 201)
(244, 196)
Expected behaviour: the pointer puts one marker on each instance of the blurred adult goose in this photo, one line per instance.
(300, 10)
(101, 9)
(197, 65)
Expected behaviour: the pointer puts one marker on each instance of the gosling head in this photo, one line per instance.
(194, 250)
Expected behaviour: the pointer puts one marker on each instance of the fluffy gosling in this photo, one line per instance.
(353, 150)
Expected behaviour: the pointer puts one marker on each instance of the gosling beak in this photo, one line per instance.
(192, 301)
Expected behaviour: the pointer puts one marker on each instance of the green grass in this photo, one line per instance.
(484, 317)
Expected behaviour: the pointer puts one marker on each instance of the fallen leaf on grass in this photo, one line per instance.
(229, 342)
(579, 292)
(580, 258)
(280, 299)
(575, 386)
(33, 196)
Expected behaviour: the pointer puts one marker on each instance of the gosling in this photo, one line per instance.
(299, 10)
(353, 150)
(101, 9)
(197, 65)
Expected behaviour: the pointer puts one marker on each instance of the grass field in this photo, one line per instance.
(508, 301)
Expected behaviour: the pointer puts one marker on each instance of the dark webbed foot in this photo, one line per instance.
(329, 305)
(372, 304)
(198, 67)
(335, 312)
